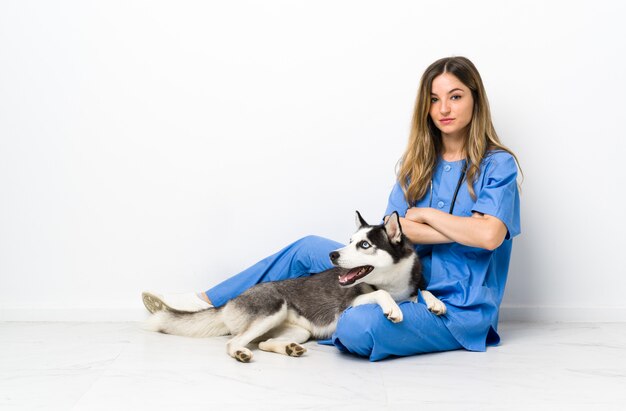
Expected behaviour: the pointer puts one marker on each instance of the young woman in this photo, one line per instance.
(458, 197)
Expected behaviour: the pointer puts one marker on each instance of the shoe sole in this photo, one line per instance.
(153, 303)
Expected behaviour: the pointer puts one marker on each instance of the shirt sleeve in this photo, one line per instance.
(396, 202)
(499, 196)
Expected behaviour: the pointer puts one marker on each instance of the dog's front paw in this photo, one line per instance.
(394, 314)
(437, 307)
(434, 304)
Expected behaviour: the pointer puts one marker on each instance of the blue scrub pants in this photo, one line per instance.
(362, 330)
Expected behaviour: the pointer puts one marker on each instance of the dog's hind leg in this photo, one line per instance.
(236, 347)
(287, 341)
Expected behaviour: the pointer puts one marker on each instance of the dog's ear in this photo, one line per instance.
(360, 223)
(393, 229)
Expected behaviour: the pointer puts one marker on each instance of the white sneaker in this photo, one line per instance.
(185, 302)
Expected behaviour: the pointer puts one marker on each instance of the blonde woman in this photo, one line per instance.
(457, 194)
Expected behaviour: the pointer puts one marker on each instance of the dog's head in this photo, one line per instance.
(374, 253)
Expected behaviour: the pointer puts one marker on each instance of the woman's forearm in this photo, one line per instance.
(479, 230)
(420, 233)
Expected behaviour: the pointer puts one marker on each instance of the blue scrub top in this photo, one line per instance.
(469, 280)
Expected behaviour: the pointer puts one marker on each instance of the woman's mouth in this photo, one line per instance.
(446, 121)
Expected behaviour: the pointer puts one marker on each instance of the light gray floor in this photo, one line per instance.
(117, 366)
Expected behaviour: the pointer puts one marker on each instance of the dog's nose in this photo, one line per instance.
(334, 256)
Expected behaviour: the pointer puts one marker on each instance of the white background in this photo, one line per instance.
(167, 145)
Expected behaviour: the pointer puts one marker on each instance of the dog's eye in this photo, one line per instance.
(364, 244)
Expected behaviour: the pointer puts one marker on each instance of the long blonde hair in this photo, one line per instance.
(416, 166)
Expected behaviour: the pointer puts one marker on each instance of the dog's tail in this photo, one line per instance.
(205, 323)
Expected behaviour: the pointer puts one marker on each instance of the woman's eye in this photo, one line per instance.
(434, 99)
(364, 244)
(455, 97)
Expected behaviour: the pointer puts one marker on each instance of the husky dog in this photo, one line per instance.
(378, 266)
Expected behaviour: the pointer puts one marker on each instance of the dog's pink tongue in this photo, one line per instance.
(347, 277)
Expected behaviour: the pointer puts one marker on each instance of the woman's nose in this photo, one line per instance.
(444, 107)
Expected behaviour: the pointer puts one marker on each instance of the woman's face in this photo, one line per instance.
(451, 105)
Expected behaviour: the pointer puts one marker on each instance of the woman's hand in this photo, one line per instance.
(418, 214)
(420, 233)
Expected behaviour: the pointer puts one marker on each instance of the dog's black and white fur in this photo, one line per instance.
(378, 266)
